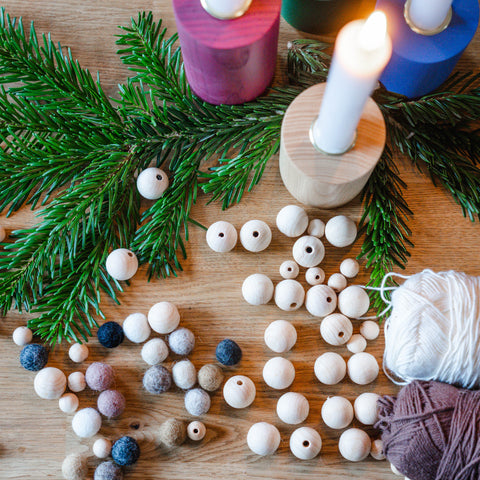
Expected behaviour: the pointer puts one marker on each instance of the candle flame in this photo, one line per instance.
(374, 31)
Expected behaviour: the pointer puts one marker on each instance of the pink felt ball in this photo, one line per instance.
(99, 376)
(111, 403)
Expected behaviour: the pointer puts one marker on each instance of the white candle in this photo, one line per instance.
(226, 9)
(429, 15)
(362, 50)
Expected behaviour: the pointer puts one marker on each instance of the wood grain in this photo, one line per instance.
(36, 436)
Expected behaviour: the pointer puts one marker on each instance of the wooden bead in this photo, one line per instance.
(163, 317)
(3, 233)
(366, 410)
(76, 382)
(349, 268)
(308, 251)
(292, 220)
(102, 448)
(330, 368)
(305, 443)
(289, 269)
(255, 236)
(362, 368)
(50, 383)
(289, 295)
(320, 301)
(354, 444)
(257, 289)
(357, 343)
(316, 228)
(292, 408)
(280, 336)
(263, 438)
(336, 329)
(152, 183)
(340, 231)
(376, 450)
(22, 336)
(337, 412)
(221, 236)
(122, 264)
(68, 403)
(78, 353)
(370, 329)
(315, 276)
(196, 431)
(279, 373)
(239, 391)
(353, 301)
(337, 281)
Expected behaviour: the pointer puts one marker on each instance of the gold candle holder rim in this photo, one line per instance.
(238, 13)
(316, 147)
(422, 31)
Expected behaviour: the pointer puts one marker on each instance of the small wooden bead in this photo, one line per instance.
(370, 329)
(184, 374)
(354, 444)
(102, 448)
(308, 251)
(86, 423)
(340, 231)
(289, 269)
(154, 351)
(280, 336)
(163, 317)
(289, 295)
(337, 281)
(22, 336)
(210, 377)
(221, 237)
(76, 382)
(321, 301)
(257, 289)
(337, 412)
(315, 276)
(292, 408)
(68, 403)
(305, 443)
(362, 368)
(353, 301)
(239, 391)
(196, 431)
(357, 343)
(50, 383)
(279, 373)
(122, 264)
(330, 368)
(263, 438)
(366, 410)
(336, 329)
(316, 228)
(292, 220)
(78, 353)
(349, 268)
(152, 183)
(255, 236)
(376, 450)
(3, 233)
(136, 327)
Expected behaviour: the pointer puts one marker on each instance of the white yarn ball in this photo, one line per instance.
(255, 236)
(340, 231)
(122, 264)
(280, 336)
(152, 183)
(366, 409)
(315, 276)
(68, 403)
(279, 373)
(353, 301)
(257, 289)
(349, 268)
(357, 343)
(22, 336)
(263, 438)
(316, 227)
(163, 317)
(86, 422)
(184, 374)
(308, 251)
(370, 329)
(292, 408)
(320, 300)
(289, 295)
(239, 391)
(330, 368)
(289, 269)
(136, 327)
(362, 368)
(292, 220)
(354, 445)
(154, 351)
(76, 382)
(50, 383)
(102, 448)
(336, 329)
(305, 443)
(221, 236)
(78, 353)
(337, 412)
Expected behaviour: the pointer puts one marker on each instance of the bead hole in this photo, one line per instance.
(130, 254)
(221, 234)
(309, 249)
(341, 334)
(317, 277)
(159, 177)
(289, 269)
(306, 443)
(239, 382)
(195, 430)
(293, 305)
(256, 234)
(329, 299)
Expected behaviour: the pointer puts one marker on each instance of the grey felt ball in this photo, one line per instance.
(181, 341)
(108, 471)
(197, 402)
(157, 379)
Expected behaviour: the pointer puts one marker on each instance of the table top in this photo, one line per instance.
(36, 436)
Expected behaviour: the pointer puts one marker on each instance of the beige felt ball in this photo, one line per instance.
(163, 317)
(78, 353)
(75, 467)
(330, 368)
(50, 383)
(316, 227)
(336, 329)
(280, 336)
(354, 445)
(263, 438)
(196, 431)
(257, 289)
(292, 408)
(3, 233)
(370, 329)
(289, 269)
(349, 268)
(86, 422)
(172, 432)
(337, 412)
(22, 336)
(210, 377)
(122, 264)
(221, 236)
(292, 220)
(315, 276)
(353, 301)
(376, 450)
(308, 251)
(239, 391)
(152, 183)
(337, 281)
(366, 410)
(340, 231)
(136, 327)
(279, 373)
(68, 403)
(305, 443)
(357, 343)
(76, 382)
(255, 236)
(154, 351)
(102, 447)
(320, 300)
(362, 368)
(289, 295)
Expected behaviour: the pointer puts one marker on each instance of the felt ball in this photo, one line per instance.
(289, 295)
(196, 431)
(337, 412)
(316, 227)
(337, 281)
(354, 444)
(78, 353)
(136, 327)
(111, 403)
(257, 289)
(370, 329)
(68, 403)
(228, 352)
(86, 422)
(122, 264)
(239, 391)
(279, 373)
(280, 336)
(376, 450)
(181, 341)
(33, 357)
(340, 231)
(330, 368)
(108, 471)
(320, 300)
(110, 334)
(3, 233)
(357, 343)
(154, 351)
(197, 402)
(362, 368)
(184, 374)
(366, 410)
(349, 268)
(75, 467)
(315, 276)
(21, 336)
(163, 317)
(125, 451)
(210, 377)
(50, 383)
(102, 447)
(292, 408)
(292, 220)
(152, 183)
(76, 382)
(157, 379)
(289, 269)
(99, 376)
(255, 236)
(263, 438)
(305, 443)
(221, 236)
(172, 432)
(336, 329)
(353, 301)
(308, 251)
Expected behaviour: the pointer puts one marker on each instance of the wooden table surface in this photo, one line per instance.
(36, 436)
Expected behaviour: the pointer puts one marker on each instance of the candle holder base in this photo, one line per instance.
(315, 178)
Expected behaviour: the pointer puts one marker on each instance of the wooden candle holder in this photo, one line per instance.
(316, 178)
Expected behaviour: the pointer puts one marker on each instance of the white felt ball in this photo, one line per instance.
(280, 336)
(292, 408)
(184, 374)
(78, 353)
(86, 422)
(330, 368)
(102, 448)
(3, 233)
(292, 220)
(239, 391)
(337, 412)
(279, 373)
(337, 281)
(336, 329)
(305, 443)
(340, 231)
(196, 431)
(349, 268)
(21, 336)
(316, 228)
(154, 351)
(255, 236)
(357, 343)
(68, 403)
(163, 317)
(122, 264)
(362, 368)
(136, 327)
(257, 289)
(221, 236)
(263, 438)
(376, 450)
(315, 276)
(320, 301)
(289, 269)
(354, 444)
(353, 301)
(308, 251)
(50, 383)
(370, 329)
(76, 382)
(289, 295)
(366, 410)
(152, 183)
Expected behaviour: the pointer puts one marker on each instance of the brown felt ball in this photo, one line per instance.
(210, 377)
(173, 432)
(75, 467)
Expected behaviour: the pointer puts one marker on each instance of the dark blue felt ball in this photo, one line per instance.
(228, 352)
(110, 334)
(125, 451)
(33, 357)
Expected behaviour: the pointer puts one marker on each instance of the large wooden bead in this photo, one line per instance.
(263, 438)
(257, 289)
(292, 408)
(305, 443)
(289, 295)
(239, 391)
(362, 368)
(340, 231)
(337, 412)
(289, 269)
(330, 368)
(354, 444)
(152, 183)
(320, 301)
(308, 251)
(357, 343)
(50, 383)
(349, 268)
(292, 220)
(221, 236)
(255, 236)
(122, 264)
(336, 329)
(366, 410)
(163, 317)
(353, 301)
(370, 329)
(280, 336)
(316, 227)
(337, 281)
(315, 276)
(279, 373)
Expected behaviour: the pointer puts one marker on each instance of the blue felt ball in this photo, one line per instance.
(110, 334)
(228, 352)
(33, 357)
(125, 451)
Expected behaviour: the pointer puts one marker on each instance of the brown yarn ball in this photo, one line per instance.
(210, 377)
(173, 432)
(75, 467)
